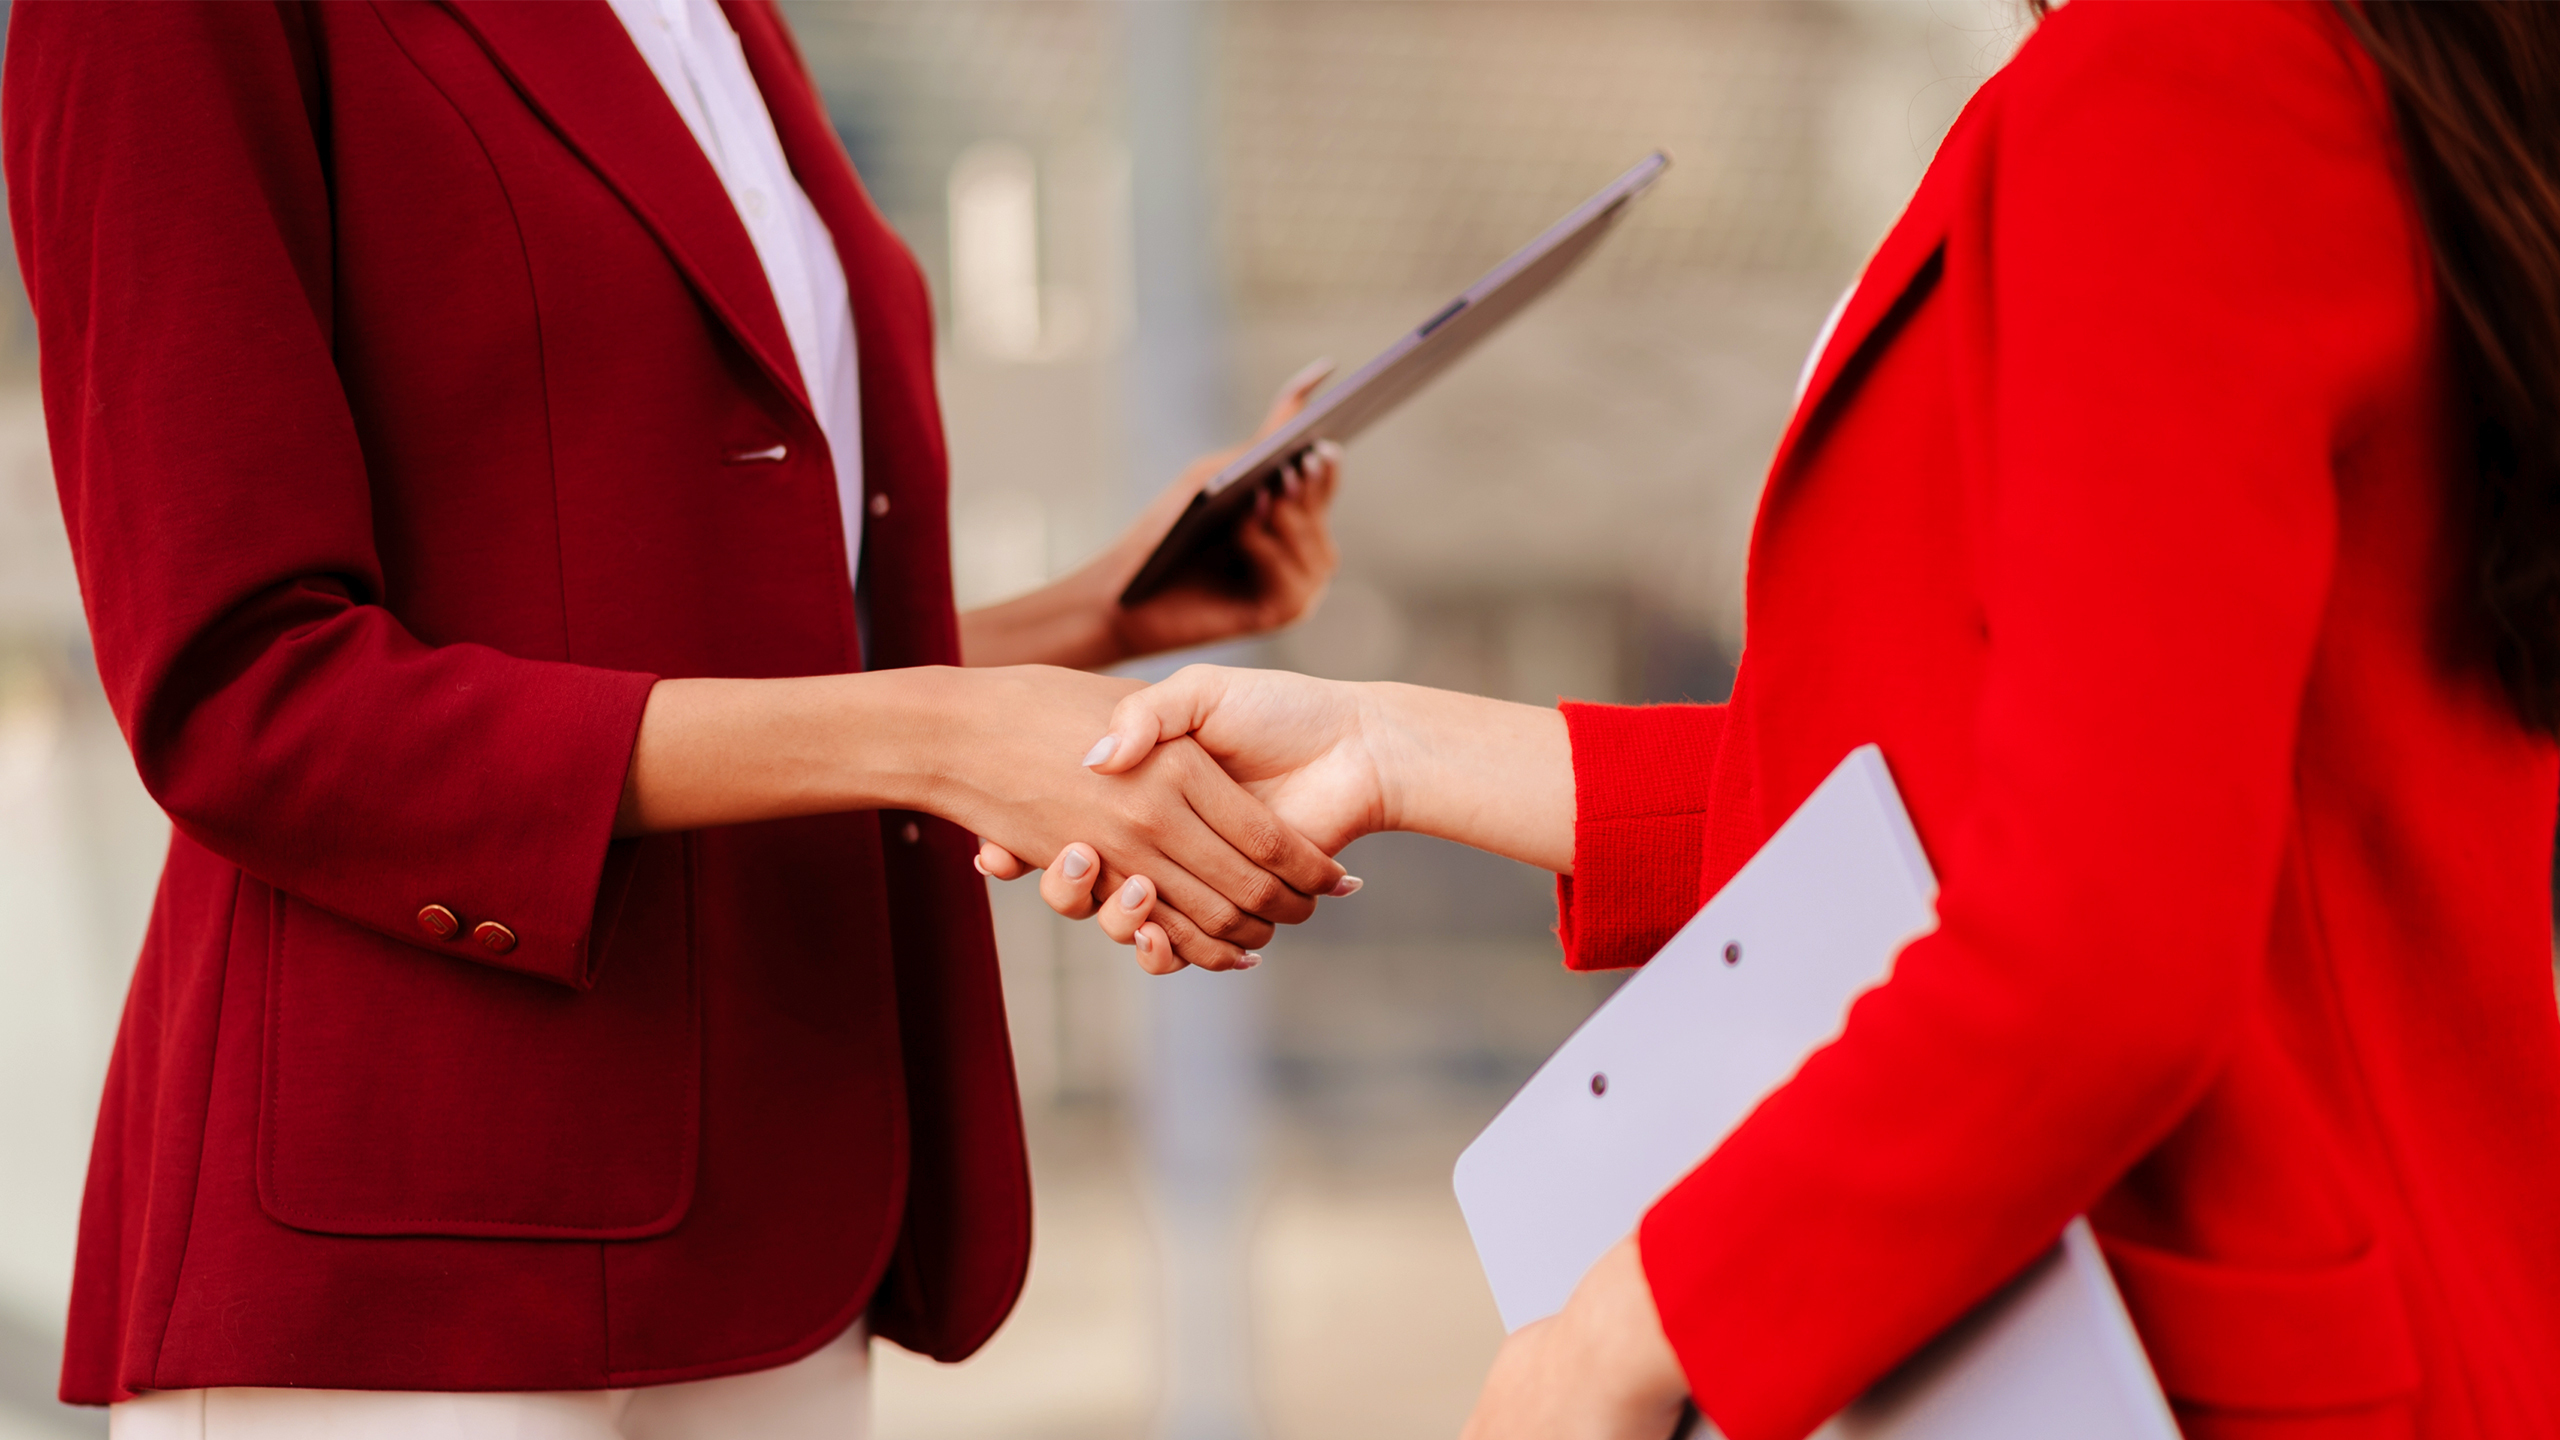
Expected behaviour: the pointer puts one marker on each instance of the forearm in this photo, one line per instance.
(1487, 773)
(1066, 622)
(726, 752)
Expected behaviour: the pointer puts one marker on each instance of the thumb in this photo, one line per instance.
(1294, 394)
(1146, 718)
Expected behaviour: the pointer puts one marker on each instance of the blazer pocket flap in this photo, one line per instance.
(2325, 1338)
(408, 1092)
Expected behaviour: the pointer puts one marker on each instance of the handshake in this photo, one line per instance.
(1190, 817)
(1215, 801)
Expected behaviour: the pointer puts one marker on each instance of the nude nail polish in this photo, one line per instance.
(1075, 864)
(1103, 749)
(1133, 895)
(1347, 885)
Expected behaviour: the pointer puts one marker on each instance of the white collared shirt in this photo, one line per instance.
(695, 55)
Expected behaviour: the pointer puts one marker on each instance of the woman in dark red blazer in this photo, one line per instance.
(2178, 505)
(428, 435)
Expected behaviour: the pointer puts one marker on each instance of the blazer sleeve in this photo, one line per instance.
(169, 200)
(1652, 835)
(2193, 270)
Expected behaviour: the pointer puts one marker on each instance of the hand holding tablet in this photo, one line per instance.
(1403, 368)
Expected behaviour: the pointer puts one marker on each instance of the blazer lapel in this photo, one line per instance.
(1908, 257)
(577, 67)
(892, 319)
(906, 561)
(1909, 260)
(892, 324)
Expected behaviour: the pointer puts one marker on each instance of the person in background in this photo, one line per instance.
(499, 446)
(2177, 504)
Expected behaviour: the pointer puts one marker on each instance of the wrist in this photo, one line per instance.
(1073, 621)
(1386, 719)
(920, 722)
(1092, 626)
(1619, 1330)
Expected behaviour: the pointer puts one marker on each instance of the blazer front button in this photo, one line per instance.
(439, 922)
(879, 505)
(493, 937)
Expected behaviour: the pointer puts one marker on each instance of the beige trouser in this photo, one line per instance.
(826, 1396)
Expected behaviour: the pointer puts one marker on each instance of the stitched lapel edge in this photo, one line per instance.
(577, 68)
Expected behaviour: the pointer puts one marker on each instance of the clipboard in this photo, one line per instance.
(1413, 361)
(1657, 1077)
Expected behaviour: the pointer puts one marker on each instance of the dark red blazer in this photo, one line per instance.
(402, 364)
(2127, 511)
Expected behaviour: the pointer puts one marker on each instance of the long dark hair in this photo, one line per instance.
(2475, 87)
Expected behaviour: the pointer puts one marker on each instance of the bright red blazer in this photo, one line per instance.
(407, 371)
(2127, 511)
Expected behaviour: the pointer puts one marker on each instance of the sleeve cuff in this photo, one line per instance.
(558, 880)
(1643, 782)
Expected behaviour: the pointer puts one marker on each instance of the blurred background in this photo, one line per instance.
(1138, 217)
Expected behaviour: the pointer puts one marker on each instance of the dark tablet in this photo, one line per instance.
(1403, 368)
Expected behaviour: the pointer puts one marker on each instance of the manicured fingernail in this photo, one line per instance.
(1133, 896)
(1347, 885)
(1249, 961)
(979, 864)
(1103, 749)
(1075, 864)
(1146, 943)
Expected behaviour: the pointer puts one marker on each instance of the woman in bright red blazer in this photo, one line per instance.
(429, 437)
(2175, 504)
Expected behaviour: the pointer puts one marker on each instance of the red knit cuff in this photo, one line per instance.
(1642, 780)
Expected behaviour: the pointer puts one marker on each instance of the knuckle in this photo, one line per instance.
(1263, 893)
(1197, 947)
(1223, 920)
(1263, 840)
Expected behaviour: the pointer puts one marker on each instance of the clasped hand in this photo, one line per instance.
(1331, 761)
(1306, 750)
(1169, 819)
